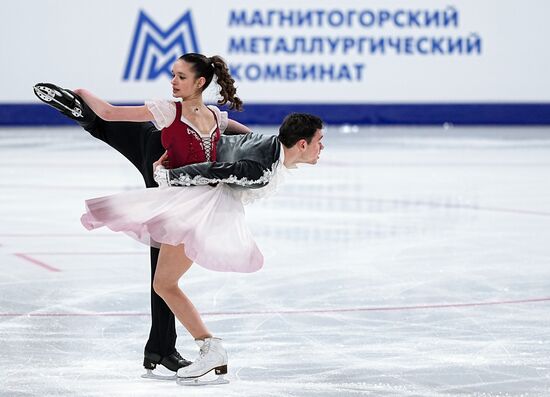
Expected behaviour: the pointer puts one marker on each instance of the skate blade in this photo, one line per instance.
(151, 375)
(220, 380)
(45, 93)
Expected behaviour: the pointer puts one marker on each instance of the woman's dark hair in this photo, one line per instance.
(215, 65)
(298, 126)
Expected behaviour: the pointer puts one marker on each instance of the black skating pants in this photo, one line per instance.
(140, 144)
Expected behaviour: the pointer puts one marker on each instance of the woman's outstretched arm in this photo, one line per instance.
(110, 112)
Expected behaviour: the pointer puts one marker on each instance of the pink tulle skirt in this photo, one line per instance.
(208, 221)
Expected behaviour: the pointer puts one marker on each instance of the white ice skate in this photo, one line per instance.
(212, 356)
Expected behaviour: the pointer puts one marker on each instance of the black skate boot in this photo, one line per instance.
(66, 101)
(173, 362)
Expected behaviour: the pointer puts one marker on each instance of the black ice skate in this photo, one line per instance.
(61, 99)
(172, 362)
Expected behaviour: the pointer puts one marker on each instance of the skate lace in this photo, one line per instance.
(204, 349)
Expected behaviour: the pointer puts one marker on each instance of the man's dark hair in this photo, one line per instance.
(298, 126)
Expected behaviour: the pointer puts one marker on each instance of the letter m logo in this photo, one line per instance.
(154, 50)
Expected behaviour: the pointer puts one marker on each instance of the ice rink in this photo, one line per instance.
(408, 262)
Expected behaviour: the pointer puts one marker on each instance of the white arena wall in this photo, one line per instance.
(377, 62)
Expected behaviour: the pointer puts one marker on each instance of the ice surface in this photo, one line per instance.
(408, 262)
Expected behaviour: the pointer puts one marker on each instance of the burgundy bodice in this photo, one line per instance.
(185, 145)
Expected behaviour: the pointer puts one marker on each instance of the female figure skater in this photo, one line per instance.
(140, 143)
(172, 217)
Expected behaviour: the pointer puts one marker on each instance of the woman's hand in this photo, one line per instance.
(160, 174)
(162, 161)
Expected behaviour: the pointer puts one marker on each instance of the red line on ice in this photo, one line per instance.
(305, 311)
(37, 262)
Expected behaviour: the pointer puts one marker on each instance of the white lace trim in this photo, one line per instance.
(161, 176)
(186, 180)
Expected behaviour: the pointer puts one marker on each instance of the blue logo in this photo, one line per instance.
(154, 50)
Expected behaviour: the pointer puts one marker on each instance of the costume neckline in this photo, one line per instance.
(194, 127)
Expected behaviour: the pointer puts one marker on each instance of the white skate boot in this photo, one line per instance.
(212, 356)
